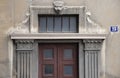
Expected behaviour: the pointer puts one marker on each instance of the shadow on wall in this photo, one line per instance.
(108, 75)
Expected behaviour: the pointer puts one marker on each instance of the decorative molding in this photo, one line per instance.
(59, 36)
(86, 25)
(92, 45)
(49, 7)
(92, 41)
(24, 41)
(26, 45)
(22, 27)
(58, 6)
(92, 26)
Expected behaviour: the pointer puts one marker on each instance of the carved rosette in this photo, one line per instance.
(24, 45)
(92, 45)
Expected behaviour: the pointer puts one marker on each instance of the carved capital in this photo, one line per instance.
(24, 45)
(92, 45)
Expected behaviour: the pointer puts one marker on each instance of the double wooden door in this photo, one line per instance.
(58, 61)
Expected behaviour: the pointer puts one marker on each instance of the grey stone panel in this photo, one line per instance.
(92, 52)
(24, 52)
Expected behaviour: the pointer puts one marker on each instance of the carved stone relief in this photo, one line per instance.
(22, 27)
(58, 6)
(24, 44)
(92, 26)
(92, 44)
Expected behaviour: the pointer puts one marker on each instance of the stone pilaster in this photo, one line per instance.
(24, 50)
(92, 52)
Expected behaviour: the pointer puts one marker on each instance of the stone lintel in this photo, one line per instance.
(58, 36)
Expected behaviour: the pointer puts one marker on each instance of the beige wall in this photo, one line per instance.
(5, 23)
(105, 12)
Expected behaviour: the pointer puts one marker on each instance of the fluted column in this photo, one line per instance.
(24, 50)
(92, 52)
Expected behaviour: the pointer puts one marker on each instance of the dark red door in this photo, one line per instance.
(58, 61)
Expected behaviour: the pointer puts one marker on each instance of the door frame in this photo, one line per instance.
(80, 55)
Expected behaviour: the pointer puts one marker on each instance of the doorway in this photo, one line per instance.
(58, 61)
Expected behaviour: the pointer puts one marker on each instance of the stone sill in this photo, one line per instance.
(58, 36)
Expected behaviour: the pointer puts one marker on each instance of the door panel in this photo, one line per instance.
(47, 61)
(67, 54)
(58, 61)
(68, 61)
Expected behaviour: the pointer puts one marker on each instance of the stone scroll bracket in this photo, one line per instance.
(24, 51)
(91, 26)
(92, 57)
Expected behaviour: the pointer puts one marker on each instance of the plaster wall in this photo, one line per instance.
(5, 23)
(106, 13)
